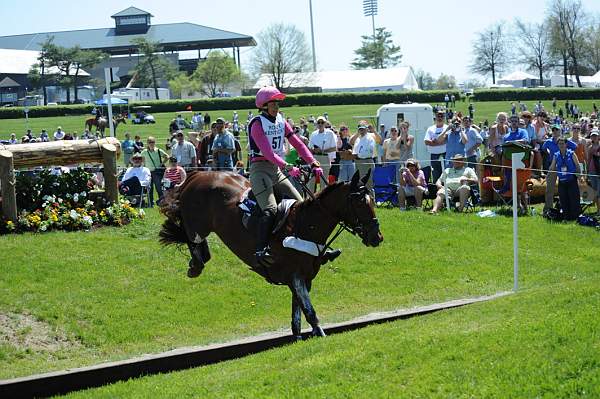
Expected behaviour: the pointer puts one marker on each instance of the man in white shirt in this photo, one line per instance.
(323, 145)
(59, 134)
(184, 151)
(136, 177)
(363, 149)
(435, 142)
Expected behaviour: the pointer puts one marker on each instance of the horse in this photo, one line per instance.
(101, 123)
(208, 202)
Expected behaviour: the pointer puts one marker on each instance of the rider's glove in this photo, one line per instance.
(294, 172)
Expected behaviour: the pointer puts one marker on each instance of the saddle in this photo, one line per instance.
(251, 211)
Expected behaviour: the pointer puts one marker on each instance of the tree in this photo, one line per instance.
(215, 73)
(490, 52)
(38, 74)
(85, 59)
(181, 83)
(282, 50)
(424, 80)
(592, 50)
(445, 82)
(534, 47)
(378, 52)
(151, 67)
(570, 21)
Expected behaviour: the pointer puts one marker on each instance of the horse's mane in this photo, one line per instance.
(319, 196)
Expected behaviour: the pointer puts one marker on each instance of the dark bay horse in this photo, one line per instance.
(207, 202)
(102, 123)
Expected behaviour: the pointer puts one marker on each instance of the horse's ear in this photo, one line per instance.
(365, 178)
(354, 181)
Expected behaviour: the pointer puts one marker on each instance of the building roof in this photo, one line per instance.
(8, 82)
(518, 75)
(173, 37)
(19, 62)
(356, 79)
(130, 11)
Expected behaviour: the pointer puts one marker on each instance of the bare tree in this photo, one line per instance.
(558, 48)
(570, 18)
(534, 47)
(490, 52)
(282, 51)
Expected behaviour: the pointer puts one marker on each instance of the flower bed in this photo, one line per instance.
(60, 202)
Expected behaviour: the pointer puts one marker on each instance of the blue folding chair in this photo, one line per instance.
(386, 191)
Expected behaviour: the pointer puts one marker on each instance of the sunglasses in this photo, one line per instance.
(320, 123)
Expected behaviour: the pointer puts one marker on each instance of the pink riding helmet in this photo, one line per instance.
(266, 94)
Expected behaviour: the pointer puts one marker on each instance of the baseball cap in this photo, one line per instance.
(321, 118)
(594, 132)
(556, 126)
(220, 120)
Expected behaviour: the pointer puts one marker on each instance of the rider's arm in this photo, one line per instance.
(263, 144)
(298, 144)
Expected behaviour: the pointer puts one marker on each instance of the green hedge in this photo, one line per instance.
(560, 93)
(245, 102)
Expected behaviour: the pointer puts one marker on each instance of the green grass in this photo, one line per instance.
(117, 293)
(541, 342)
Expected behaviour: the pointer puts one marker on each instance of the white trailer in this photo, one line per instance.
(420, 117)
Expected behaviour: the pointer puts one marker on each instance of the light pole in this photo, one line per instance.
(370, 10)
(312, 36)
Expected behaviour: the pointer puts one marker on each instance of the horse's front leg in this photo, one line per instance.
(301, 291)
(296, 316)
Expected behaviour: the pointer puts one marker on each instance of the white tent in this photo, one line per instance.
(519, 79)
(586, 81)
(391, 79)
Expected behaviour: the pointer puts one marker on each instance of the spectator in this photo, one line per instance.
(347, 167)
(455, 181)
(223, 147)
(407, 142)
(497, 132)
(181, 123)
(474, 141)
(323, 145)
(566, 165)
(24, 140)
(549, 148)
(13, 139)
(453, 99)
(136, 177)
(235, 124)
(173, 126)
(206, 157)
(541, 129)
(580, 142)
(391, 152)
(384, 135)
(446, 100)
(363, 149)
(184, 151)
(154, 160)
(206, 119)
(455, 139)
(197, 122)
(436, 144)
(44, 136)
(59, 134)
(593, 165)
(128, 147)
(174, 175)
(471, 111)
(517, 135)
(412, 184)
(138, 144)
(28, 134)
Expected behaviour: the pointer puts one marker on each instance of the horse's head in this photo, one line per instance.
(360, 213)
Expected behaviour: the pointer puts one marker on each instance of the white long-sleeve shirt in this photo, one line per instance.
(141, 172)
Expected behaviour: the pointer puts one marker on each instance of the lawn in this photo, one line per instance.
(115, 293)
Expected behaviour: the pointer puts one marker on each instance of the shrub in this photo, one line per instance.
(560, 93)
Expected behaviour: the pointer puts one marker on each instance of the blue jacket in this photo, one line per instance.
(565, 166)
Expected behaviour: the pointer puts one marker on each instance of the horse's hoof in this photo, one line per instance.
(331, 255)
(194, 272)
(318, 332)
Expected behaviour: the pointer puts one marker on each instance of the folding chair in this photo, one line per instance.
(386, 191)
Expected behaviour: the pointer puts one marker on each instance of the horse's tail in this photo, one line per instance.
(172, 231)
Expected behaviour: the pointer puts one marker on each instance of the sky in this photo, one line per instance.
(434, 35)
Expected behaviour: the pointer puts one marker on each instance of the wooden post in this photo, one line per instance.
(109, 158)
(7, 181)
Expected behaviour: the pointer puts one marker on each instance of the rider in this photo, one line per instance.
(266, 134)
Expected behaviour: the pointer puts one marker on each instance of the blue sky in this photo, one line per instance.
(434, 35)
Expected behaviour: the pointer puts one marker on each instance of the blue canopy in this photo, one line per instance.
(113, 101)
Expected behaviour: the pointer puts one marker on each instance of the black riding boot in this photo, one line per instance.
(265, 227)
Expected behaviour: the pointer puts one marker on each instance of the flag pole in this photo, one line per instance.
(108, 80)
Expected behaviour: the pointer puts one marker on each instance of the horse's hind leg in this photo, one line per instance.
(200, 255)
(300, 289)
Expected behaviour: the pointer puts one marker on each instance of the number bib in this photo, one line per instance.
(275, 133)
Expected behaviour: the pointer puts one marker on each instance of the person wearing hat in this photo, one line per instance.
(566, 166)
(267, 133)
(184, 151)
(323, 145)
(593, 165)
(363, 149)
(136, 177)
(223, 147)
(515, 133)
(155, 159)
(435, 141)
(454, 183)
(44, 136)
(59, 134)
(549, 148)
